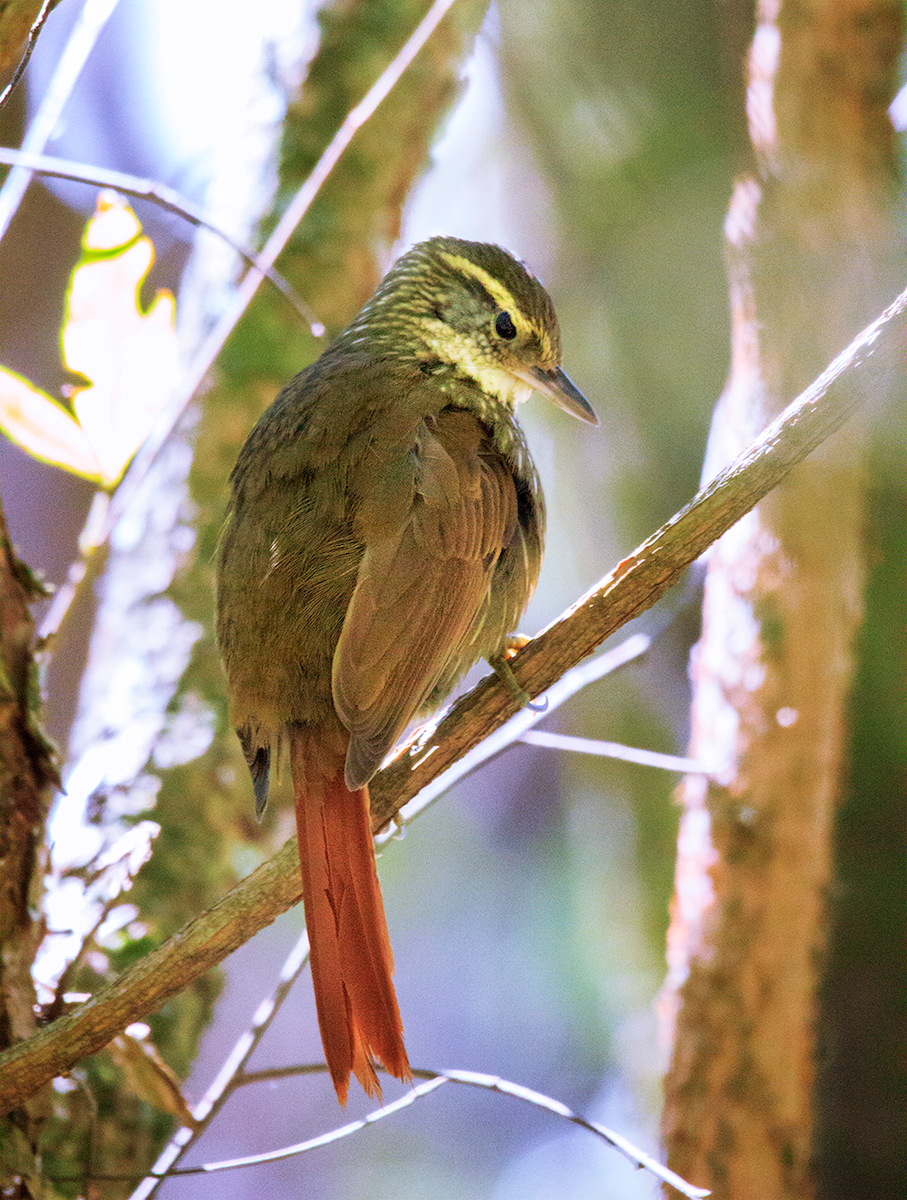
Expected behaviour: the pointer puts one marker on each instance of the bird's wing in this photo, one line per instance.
(420, 584)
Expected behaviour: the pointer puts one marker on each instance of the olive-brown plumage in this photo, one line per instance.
(384, 534)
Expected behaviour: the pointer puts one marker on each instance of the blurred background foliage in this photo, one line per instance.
(528, 910)
(597, 139)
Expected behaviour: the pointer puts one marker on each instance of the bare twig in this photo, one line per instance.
(630, 589)
(92, 20)
(168, 199)
(432, 1080)
(492, 1083)
(518, 727)
(57, 1004)
(230, 1076)
(632, 754)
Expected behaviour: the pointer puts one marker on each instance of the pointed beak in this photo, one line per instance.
(565, 394)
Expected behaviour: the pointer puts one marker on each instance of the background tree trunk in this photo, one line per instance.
(528, 910)
(812, 255)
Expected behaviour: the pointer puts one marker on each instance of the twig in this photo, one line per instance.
(53, 1010)
(492, 1083)
(631, 588)
(643, 758)
(164, 197)
(517, 728)
(36, 27)
(432, 1081)
(94, 16)
(231, 1074)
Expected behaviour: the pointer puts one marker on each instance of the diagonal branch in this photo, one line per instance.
(630, 589)
(640, 580)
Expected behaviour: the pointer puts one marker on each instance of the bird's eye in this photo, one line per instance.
(504, 326)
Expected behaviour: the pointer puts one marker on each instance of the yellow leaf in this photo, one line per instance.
(130, 356)
(34, 421)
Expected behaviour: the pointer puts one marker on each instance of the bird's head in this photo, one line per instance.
(476, 312)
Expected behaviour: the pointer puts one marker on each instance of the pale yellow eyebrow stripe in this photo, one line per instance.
(495, 289)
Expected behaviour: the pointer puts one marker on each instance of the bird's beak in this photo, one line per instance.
(565, 394)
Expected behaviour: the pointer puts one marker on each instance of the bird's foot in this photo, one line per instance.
(504, 672)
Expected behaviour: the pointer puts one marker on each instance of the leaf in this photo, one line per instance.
(129, 356)
(149, 1077)
(34, 421)
(18, 1155)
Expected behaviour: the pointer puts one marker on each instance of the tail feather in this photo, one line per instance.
(351, 957)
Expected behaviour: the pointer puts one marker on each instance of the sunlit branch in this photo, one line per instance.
(432, 1081)
(631, 588)
(231, 1074)
(630, 754)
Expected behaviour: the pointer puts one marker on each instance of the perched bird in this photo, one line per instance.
(384, 534)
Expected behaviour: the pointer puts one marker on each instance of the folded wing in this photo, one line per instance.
(422, 584)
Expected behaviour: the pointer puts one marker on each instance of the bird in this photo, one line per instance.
(383, 534)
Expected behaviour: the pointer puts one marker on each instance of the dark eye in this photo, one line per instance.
(504, 326)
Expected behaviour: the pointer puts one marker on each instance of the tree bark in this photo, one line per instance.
(810, 247)
(152, 688)
(27, 778)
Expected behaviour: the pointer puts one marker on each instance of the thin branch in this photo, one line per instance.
(630, 589)
(37, 25)
(164, 197)
(93, 18)
(57, 1004)
(500, 739)
(230, 1076)
(432, 1081)
(631, 754)
(492, 1083)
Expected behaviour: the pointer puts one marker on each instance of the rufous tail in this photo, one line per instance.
(351, 957)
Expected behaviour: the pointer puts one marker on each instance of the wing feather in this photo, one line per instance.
(420, 588)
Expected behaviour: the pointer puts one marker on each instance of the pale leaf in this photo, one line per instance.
(149, 1077)
(129, 356)
(31, 419)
